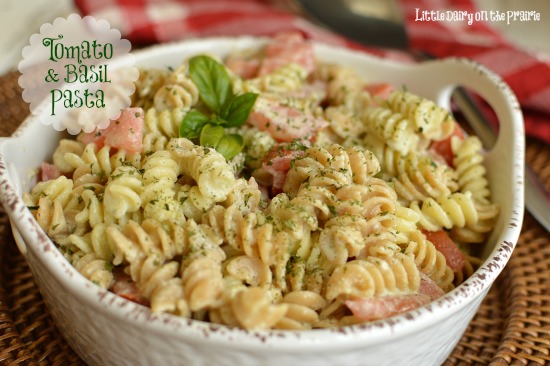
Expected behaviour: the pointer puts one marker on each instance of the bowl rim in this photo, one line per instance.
(374, 332)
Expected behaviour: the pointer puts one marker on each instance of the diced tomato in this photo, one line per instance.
(442, 242)
(246, 68)
(373, 308)
(284, 123)
(285, 48)
(429, 287)
(443, 147)
(97, 137)
(124, 287)
(277, 162)
(379, 91)
(124, 133)
(48, 172)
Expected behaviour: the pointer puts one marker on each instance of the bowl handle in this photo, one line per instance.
(507, 156)
(9, 193)
(460, 72)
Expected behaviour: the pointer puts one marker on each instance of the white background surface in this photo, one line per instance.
(22, 18)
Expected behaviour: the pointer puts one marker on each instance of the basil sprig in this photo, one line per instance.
(225, 108)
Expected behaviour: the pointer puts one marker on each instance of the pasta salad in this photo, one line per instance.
(270, 190)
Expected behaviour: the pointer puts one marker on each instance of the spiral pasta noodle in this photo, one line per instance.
(455, 210)
(51, 200)
(477, 232)
(257, 144)
(122, 192)
(253, 309)
(160, 127)
(287, 78)
(202, 283)
(333, 166)
(471, 173)
(246, 195)
(429, 119)
(302, 310)
(149, 251)
(158, 196)
(149, 81)
(343, 122)
(343, 84)
(178, 92)
(469, 168)
(92, 267)
(66, 146)
(392, 127)
(91, 197)
(244, 233)
(96, 241)
(374, 276)
(430, 261)
(206, 166)
(309, 269)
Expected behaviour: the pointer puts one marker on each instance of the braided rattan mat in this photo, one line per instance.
(512, 327)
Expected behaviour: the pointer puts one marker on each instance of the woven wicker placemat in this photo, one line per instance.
(512, 326)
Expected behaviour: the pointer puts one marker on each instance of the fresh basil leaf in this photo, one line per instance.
(211, 135)
(239, 108)
(212, 80)
(217, 120)
(192, 124)
(230, 145)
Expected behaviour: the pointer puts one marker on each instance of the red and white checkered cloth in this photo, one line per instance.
(153, 21)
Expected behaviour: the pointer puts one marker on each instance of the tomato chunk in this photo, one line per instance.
(97, 137)
(285, 48)
(124, 286)
(278, 160)
(379, 91)
(48, 172)
(373, 308)
(442, 242)
(246, 68)
(429, 287)
(283, 123)
(124, 133)
(443, 147)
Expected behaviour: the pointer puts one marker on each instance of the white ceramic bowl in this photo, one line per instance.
(105, 329)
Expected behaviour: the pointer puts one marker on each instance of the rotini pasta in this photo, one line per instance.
(66, 146)
(206, 166)
(430, 120)
(159, 127)
(392, 127)
(455, 210)
(430, 261)
(288, 78)
(123, 192)
(374, 276)
(93, 267)
(158, 196)
(178, 92)
(302, 312)
(50, 201)
(469, 168)
(149, 81)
